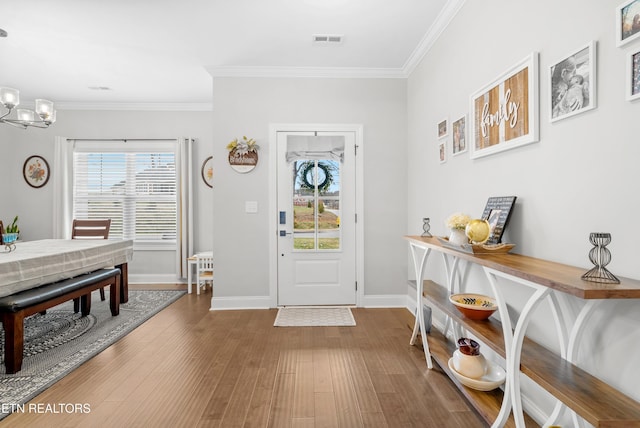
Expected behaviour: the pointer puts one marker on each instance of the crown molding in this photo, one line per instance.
(70, 105)
(442, 21)
(308, 72)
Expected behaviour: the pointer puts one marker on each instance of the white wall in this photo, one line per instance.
(246, 106)
(34, 205)
(581, 176)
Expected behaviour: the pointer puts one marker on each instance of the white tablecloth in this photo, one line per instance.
(34, 263)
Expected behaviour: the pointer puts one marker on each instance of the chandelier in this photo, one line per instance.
(43, 116)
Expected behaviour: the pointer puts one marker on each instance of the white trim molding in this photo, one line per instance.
(448, 12)
(135, 106)
(274, 128)
(240, 302)
(309, 72)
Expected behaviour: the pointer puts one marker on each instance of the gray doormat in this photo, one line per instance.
(316, 316)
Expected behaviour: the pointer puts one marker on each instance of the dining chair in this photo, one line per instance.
(204, 271)
(90, 229)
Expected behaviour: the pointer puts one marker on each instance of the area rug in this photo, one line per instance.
(314, 316)
(59, 341)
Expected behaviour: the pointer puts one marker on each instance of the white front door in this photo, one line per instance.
(316, 218)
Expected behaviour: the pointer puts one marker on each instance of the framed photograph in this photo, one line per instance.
(633, 76)
(498, 212)
(207, 171)
(442, 151)
(36, 171)
(627, 22)
(504, 113)
(573, 83)
(459, 131)
(442, 128)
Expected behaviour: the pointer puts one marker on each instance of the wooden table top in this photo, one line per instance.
(560, 277)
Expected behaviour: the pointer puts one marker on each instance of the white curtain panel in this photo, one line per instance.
(62, 188)
(184, 163)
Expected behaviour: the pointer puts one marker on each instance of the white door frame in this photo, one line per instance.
(274, 128)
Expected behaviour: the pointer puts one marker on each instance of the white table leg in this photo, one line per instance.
(419, 324)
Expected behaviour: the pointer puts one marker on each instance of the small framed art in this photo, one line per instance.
(633, 75)
(442, 151)
(442, 128)
(459, 131)
(497, 212)
(36, 171)
(627, 22)
(573, 83)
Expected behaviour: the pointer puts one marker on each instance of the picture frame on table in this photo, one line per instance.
(504, 113)
(572, 80)
(442, 151)
(459, 136)
(443, 128)
(497, 212)
(36, 171)
(627, 22)
(207, 171)
(633, 75)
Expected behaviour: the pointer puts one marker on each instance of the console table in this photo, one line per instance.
(575, 389)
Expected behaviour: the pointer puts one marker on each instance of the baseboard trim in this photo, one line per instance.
(146, 278)
(385, 301)
(240, 302)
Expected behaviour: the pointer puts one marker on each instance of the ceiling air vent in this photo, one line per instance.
(327, 39)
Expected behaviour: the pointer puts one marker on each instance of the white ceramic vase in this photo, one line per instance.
(472, 366)
(458, 237)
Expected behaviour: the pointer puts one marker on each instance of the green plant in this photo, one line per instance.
(13, 227)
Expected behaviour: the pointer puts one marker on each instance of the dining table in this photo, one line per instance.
(33, 263)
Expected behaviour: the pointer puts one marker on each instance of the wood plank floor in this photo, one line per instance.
(189, 367)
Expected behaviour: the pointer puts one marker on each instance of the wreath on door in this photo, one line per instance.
(306, 176)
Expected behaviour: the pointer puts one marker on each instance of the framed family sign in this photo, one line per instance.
(504, 113)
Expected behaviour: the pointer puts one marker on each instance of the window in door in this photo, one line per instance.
(316, 205)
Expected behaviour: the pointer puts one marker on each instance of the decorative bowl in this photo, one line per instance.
(493, 377)
(474, 306)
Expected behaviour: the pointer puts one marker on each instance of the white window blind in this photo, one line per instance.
(135, 188)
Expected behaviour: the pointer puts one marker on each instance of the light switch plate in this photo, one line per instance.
(251, 207)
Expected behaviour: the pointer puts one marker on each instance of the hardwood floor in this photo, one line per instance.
(189, 367)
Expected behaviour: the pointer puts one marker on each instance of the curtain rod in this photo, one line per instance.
(124, 139)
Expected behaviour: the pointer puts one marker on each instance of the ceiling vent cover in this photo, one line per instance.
(327, 39)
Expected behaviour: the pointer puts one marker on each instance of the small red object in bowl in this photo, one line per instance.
(474, 306)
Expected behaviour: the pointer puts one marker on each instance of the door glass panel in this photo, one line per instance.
(316, 205)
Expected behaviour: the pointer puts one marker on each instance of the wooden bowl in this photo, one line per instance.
(474, 306)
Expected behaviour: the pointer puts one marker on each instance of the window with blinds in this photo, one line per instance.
(135, 189)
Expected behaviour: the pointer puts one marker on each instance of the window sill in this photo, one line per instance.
(154, 246)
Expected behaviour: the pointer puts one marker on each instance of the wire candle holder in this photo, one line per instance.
(426, 227)
(600, 256)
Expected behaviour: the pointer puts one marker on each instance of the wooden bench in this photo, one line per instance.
(16, 307)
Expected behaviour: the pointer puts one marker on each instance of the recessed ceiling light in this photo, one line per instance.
(99, 88)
